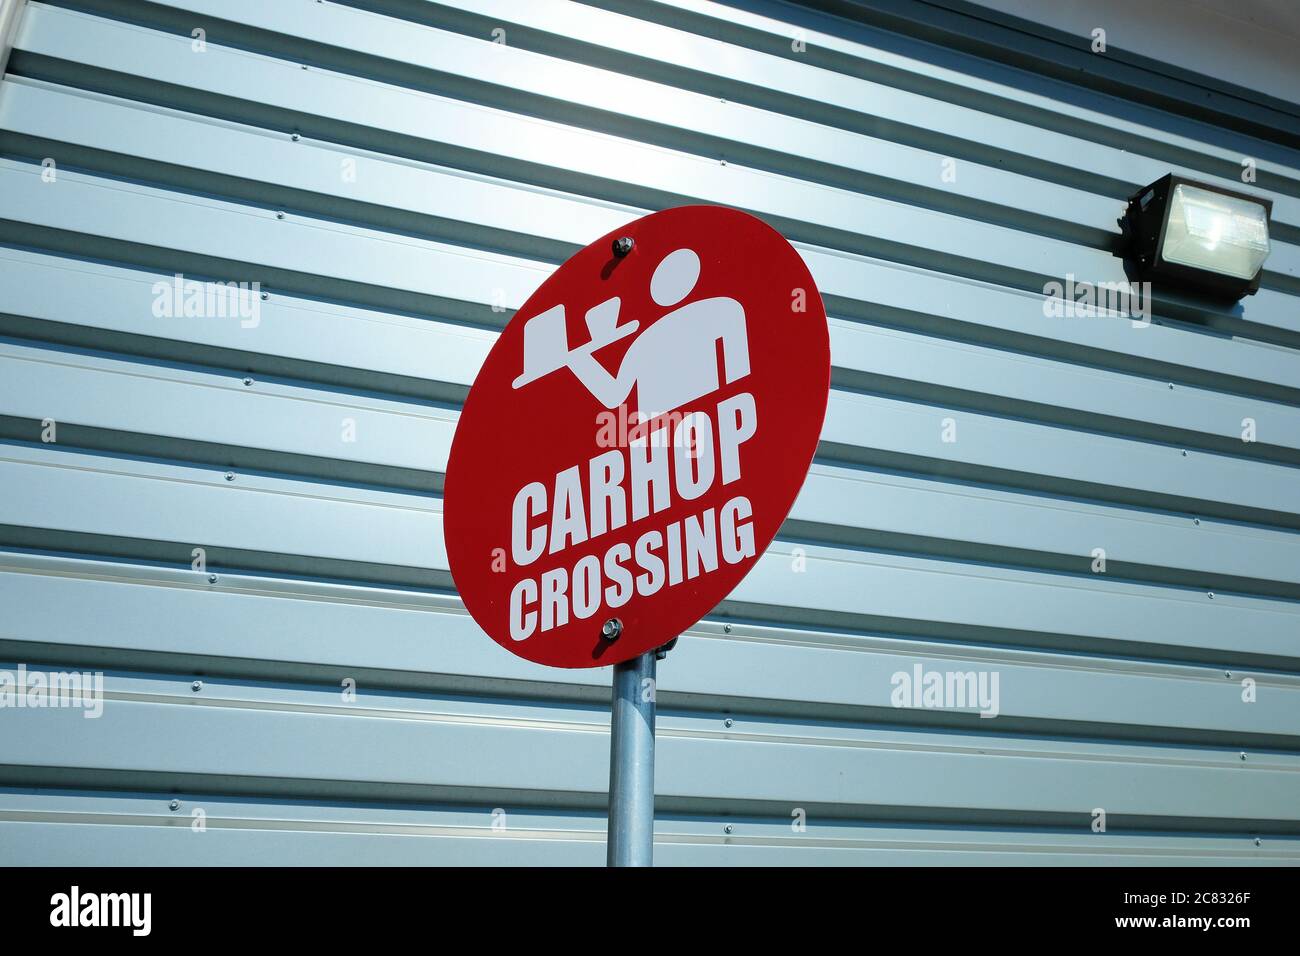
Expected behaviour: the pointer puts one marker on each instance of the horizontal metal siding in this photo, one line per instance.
(479, 167)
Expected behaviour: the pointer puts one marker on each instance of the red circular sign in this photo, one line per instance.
(636, 436)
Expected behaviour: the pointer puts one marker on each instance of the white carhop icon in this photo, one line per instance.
(674, 361)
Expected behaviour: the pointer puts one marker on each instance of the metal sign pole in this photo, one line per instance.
(630, 839)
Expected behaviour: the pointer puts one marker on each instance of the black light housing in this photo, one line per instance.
(1189, 235)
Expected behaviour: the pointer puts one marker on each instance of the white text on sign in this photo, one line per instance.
(623, 486)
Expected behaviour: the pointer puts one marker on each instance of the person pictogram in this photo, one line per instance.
(672, 362)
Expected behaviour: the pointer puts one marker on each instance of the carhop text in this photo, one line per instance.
(622, 486)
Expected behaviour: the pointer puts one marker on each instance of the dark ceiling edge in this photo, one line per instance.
(1137, 60)
(1018, 43)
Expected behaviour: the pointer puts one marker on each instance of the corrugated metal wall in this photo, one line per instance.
(399, 175)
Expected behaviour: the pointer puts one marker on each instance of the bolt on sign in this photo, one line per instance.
(636, 437)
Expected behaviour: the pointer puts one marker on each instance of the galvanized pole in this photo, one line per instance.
(630, 839)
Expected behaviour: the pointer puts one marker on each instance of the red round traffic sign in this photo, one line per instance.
(636, 436)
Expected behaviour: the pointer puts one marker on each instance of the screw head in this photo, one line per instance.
(726, 629)
(212, 579)
(623, 245)
(1227, 674)
(1243, 755)
(248, 381)
(197, 686)
(279, 215)
(728, 722)
(727, 828)
(265, 296)
(230, 476)
(1210, 595)
(611, 629)
(1184, 452)
(174, 805)
(1258, 842)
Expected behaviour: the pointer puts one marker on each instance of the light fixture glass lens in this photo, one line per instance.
(1218, 233)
